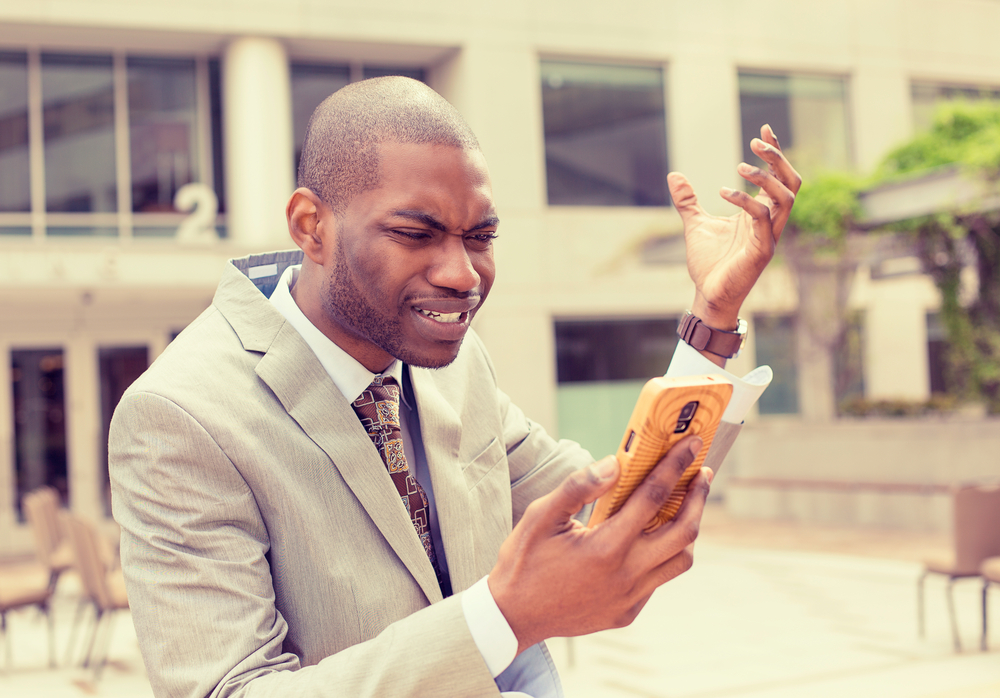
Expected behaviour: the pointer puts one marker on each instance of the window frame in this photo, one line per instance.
(662, 66)
(123, 221)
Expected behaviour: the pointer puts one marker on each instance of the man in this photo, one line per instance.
(269, 549)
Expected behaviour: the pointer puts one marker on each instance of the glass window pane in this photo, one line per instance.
(78, 111)
(774, 337)
(39, 420)
(162, 130)
(937, 354)
(215, 109)
(119, 367)
(605, 134)
(808, 114)
(373, 71)
(311, 84)
(15, 182)
(927, 97)
(614, 350)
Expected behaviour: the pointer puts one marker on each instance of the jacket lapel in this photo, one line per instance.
(441, 432)
(292, 371)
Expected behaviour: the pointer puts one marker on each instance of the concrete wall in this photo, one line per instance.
(890, 473)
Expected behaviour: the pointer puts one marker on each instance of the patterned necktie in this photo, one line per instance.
(378, 410)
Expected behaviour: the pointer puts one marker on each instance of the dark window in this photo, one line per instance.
(374, 71)
(937, 353)
(163, 128)
(15, 182)
(605, 134)
(215, 113)
(79, 130)
(314, 82)
(848, 360)
(119, 367)
(614, 350)
(311, 84)
(39, 420)
(808, 114)
(776, 347)
(927, 97)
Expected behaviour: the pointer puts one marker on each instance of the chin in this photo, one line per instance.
(438, 359)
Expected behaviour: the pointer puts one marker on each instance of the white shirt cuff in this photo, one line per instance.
(688, 361)
(490, 630)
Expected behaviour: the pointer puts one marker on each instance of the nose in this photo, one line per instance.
(452, 266)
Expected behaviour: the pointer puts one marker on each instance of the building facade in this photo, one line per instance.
(143, 143)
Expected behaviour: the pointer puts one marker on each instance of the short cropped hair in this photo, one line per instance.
(340, 155)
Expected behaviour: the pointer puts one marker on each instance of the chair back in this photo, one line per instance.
(41, 509)
(977, 525)
(93, 571)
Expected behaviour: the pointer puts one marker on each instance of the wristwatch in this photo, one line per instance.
(725, 343)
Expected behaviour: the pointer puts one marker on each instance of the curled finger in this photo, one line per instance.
(777, 163)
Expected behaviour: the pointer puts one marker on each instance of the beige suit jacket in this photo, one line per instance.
(264, 547)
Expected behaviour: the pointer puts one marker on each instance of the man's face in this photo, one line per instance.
(413, 259)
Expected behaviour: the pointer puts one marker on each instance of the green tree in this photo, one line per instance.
(965, 135)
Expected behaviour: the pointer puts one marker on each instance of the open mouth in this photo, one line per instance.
(443, 317)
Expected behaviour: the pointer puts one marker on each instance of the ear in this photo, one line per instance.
(309, 224)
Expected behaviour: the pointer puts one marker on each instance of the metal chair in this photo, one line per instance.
(21, 586)
(990, 570)
(976, 536)
(104, 586)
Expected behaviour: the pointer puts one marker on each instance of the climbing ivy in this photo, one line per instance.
(965, 135)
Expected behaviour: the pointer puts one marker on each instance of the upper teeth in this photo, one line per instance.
(441, 317)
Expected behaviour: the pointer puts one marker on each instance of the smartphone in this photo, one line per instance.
(668, 409)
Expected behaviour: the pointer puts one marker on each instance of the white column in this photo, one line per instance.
(83, 428)
(258, 141)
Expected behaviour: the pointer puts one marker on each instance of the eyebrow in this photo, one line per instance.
(432, 222)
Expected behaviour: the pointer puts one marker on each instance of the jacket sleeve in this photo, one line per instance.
(195, 555)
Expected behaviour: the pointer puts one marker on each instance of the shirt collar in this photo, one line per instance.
(346, 372)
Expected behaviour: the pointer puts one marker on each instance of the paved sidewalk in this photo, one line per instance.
(753, 623)
(768, 611)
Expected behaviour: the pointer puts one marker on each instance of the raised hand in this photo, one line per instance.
(725, 256)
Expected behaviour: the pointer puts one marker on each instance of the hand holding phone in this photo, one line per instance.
(668, 409)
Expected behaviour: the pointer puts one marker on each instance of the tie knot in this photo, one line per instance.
(379, 403)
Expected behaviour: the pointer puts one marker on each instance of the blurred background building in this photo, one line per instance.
(144, 143)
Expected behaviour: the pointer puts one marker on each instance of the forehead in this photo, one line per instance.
(445, 180)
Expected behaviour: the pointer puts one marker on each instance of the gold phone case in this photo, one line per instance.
(660, 419)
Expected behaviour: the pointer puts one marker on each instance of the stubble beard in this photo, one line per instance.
(345, 303)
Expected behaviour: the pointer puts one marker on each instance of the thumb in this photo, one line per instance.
(683, 196)
(582, 487)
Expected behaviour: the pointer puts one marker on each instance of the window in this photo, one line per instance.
(602, 366)
(605, 134)
(314, 82)
(937, 353)
(609, 350)
(927, 97)
(15, 182)
(808, 114)
(39, 420)
(119, 368)
(774, 337)
(848, 360)
(106, 142)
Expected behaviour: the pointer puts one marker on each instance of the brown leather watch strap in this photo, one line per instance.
(724, 343)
